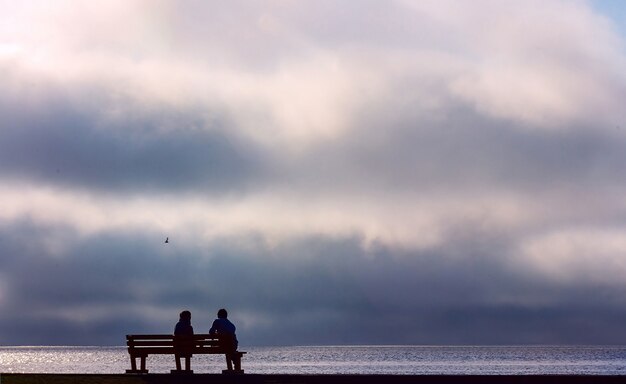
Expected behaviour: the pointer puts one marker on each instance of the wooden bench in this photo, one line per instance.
(140, 346)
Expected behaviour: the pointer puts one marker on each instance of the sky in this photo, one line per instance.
(356, 172)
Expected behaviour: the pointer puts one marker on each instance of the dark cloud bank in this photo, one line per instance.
(307, 291)
(61, 141)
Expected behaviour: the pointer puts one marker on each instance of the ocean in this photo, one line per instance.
(395, 360)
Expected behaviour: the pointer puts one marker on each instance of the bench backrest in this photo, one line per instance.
(155, 344)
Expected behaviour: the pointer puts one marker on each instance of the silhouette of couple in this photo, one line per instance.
(223, 328)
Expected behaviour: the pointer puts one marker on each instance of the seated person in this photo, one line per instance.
(183, 328)
(225, 330)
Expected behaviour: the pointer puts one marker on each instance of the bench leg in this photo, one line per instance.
(133, 363)
(237, 361)
(178, 364)
(233, 358)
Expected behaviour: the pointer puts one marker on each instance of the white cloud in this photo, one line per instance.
(544, 63)
(408, 222)
(587, 254)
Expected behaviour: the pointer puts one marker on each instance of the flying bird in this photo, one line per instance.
(167, 240)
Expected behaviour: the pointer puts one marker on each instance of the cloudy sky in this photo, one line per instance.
(354, 172)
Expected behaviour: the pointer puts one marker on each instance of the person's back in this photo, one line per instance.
(225, 329)
(183, 327)
(182, 342)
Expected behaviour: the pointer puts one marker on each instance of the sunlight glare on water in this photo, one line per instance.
(399, 360)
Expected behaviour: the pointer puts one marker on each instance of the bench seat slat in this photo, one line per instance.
(171, 344)
(157, 343)
(148, 343)
(169, 351)
(152, 351)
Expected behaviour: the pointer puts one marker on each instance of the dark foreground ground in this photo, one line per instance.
(28, 378)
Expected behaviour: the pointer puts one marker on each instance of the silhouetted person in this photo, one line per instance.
(183, 327)
(225, 331)
(183, 340)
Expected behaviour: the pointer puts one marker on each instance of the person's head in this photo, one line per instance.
(222, 314)
(185, 315)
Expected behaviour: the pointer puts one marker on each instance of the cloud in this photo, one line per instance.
(589, 254)
(303, 291)
(451, 171)
(59, 140)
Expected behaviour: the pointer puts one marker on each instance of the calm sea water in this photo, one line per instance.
(400, 360)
